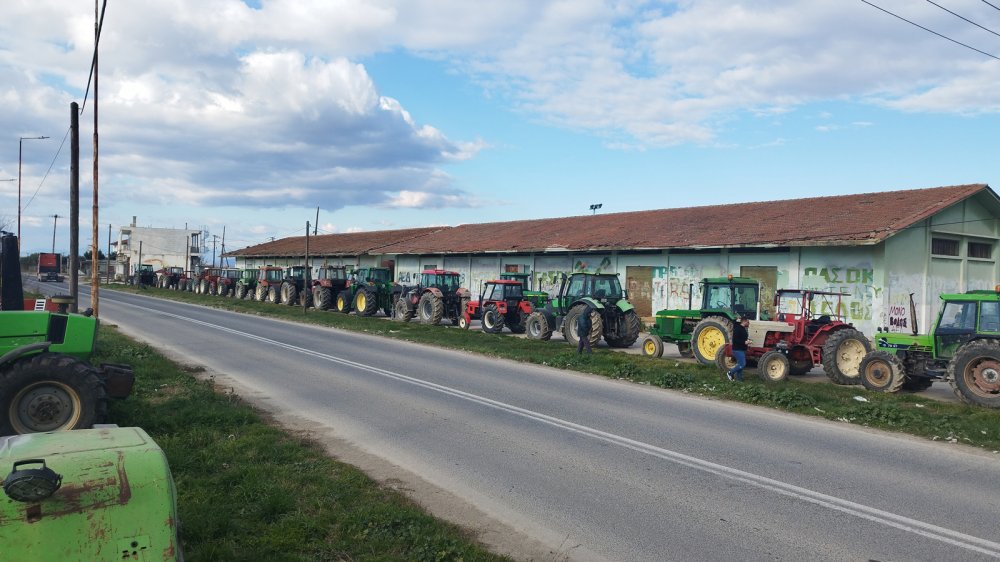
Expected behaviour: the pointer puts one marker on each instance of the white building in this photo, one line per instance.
(159, 247)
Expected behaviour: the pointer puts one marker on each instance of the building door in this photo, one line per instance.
(767, 275)
(639, 284)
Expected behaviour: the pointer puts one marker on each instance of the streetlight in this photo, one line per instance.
(595, 207)
(20, 145)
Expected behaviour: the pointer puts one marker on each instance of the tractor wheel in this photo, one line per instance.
(652, 346)
(289, 294)
(492, 321)
(402, 310)
(842, 355)
(463, 322)
(261, 293)
(569, 325)
(630, 331)
(274, 294)
(710, 335)
(322, 297)
(205, 287)
(241, 291)
(520, 325)
(305, 298)
(343, 303)
(773, 366)
(723, 361)
(213, 288)
(366, 302)
(50, 392)
(798, 368)
(537, 327)
(684, 348)
(430, 309)
(882, 372)
(974, 373)
(917, 384)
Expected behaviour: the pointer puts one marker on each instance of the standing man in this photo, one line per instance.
(741, 339)
(583, 327)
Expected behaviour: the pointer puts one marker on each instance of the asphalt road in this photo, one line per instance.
(595, 469)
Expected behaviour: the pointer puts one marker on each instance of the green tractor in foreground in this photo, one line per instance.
(612, 316)
(701, 332)
(963, 348)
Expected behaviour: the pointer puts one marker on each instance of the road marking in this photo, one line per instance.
(887, 518)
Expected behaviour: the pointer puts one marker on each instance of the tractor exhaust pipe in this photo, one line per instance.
(12, 297)
(913, 314)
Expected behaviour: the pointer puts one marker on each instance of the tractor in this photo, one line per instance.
(368, 289)
(612, 316)
(798, 339)
(701, 331)
(293, 287)
(246, 284)
(169, 277)
(225, 283)
(329, 282)
(438, 295)
(143, 276)
(46, 380)
(501, 303)
(963, 348)
(538, 299)
(269, 284)
(206, 281)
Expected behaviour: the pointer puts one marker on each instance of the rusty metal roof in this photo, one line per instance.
(860, 219)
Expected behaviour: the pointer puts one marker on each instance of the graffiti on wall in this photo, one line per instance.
(675, 286)
(899, 314)
(856, 282)
(592, 264)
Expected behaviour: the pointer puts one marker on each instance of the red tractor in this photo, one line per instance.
(329, 282)
(225, 284)
(269, 280)
(205, 282)
(437, 296)
(798, 339)
(500, 304)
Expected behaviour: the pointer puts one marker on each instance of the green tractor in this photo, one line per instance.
(963, 348)
(612, 316)
(703, 331)
(368, 290)
(538, 299)
(46, 381)
(246, 285)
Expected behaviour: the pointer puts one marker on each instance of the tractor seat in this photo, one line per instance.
(823, 319)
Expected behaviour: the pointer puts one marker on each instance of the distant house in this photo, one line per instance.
(159, 247)
(878, 248)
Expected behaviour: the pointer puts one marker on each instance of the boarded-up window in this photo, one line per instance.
(980, 250)
(944, 247)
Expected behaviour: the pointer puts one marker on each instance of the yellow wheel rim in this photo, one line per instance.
(649, 347)
(361, 302)
(710, 340)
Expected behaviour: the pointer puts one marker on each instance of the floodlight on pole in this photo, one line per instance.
(595, 207)
(20, 151)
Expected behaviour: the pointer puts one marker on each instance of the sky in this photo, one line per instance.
(243, 117)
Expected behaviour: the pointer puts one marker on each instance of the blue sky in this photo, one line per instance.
(392, 114)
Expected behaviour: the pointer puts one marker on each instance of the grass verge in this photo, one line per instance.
(904, 413)
(248, 491)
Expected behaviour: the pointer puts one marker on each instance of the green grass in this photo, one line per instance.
(248, 491)
(904, 413)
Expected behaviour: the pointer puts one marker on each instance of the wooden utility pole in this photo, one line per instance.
(316, 224)
(222, 254)
(108, 256)
(306, 284)
(94, 283)
(74, 205)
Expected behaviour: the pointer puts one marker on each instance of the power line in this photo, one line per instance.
(988, 4)
(964, 18)
(93, 61)
(63, 143)
(931, 31)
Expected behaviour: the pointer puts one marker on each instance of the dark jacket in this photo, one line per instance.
(740, 338)
(583, 324)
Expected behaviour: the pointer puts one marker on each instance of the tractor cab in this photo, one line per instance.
(963, 318)
(509, 291)
(445, 281)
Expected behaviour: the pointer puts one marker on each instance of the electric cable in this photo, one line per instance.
(931, 31)
(51, 164)
(963, 18)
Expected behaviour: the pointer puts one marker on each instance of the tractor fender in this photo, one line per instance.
(588, 301)
(435, 291)
(19, 352)
(464, 293)
(624, 306)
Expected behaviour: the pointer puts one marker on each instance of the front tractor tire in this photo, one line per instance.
(630, 326)
(492, 321)
(842, 355)
(881, 371)
(773, 366)
(260, 294)
(343, 304)
(289, 294)
(366, 302)
(709, 336)
(323, 298)
(50, 392)
(974, 373)
(537, 327)
(652, 346)
(430, 309)
(569, 325)
(240, 291)
(274, 294)
(402, 310)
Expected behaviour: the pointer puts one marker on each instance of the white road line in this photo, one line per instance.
(889, 519)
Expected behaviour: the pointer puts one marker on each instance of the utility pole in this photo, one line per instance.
(108, 263)
(316, 224)
(222, 254)
(55, 219)
(214, 238)
(94, 284)
(74, 205)
(307, 284)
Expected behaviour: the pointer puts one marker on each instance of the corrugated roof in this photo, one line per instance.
(860, 219)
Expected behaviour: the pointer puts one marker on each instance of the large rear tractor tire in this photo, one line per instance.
(274, 294)
(652, 346)
(492, 321)
(974, 373)
(289, 294)
(343, 303)
(205, 287)
(430, 309)
(630, 331)
(50, 392)
(842, 355)
(323, 298)
(709, 336)
(882, 372)
(569, 325)
(773, 366)
(402, 311)
(366, 302)
(241, 291)
(537, 327)
(261, 293)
